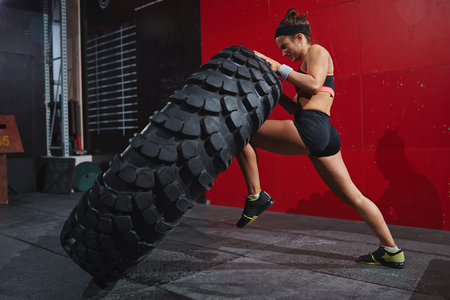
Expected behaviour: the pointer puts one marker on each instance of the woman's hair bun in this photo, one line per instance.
(292, 18)
(291, 13)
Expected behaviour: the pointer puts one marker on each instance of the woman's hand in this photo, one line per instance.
(274, 65)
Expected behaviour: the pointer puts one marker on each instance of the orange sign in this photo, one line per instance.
(9, 135)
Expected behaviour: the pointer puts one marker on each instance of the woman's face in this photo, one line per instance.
(289, 47)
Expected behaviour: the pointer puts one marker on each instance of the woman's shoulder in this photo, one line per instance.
(317, 52)
(316, 48)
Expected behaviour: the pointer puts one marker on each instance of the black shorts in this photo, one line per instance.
(317, 132)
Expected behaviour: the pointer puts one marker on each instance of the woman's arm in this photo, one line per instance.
(316, 62)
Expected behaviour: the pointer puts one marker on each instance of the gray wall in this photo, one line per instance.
(22, 86)
(168, 50)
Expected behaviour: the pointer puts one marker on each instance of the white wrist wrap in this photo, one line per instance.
(284, 71)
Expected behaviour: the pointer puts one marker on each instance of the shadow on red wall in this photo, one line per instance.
(410, 198)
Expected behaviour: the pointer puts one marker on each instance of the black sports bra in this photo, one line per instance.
(328, 85)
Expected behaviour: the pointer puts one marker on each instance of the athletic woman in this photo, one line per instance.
(312, 134)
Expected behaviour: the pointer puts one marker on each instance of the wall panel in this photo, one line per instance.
(410, 102)
(278, 8)
(404, 34)
(231, 14)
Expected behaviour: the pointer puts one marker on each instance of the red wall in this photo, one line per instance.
(392, 66)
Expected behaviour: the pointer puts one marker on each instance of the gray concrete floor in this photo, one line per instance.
(280, 256)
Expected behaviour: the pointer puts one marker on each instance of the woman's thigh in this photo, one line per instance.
(281, 137)
(334, 173)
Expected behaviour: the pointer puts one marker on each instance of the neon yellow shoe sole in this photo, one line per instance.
(383, 257)
(254, 208)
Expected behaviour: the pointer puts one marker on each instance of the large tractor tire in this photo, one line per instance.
(131, 207)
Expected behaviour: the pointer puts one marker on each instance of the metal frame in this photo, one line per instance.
(64, 92)
(49, 82)
(48, 57)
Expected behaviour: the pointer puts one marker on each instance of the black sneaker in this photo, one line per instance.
(253, 208)
(384, 257)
